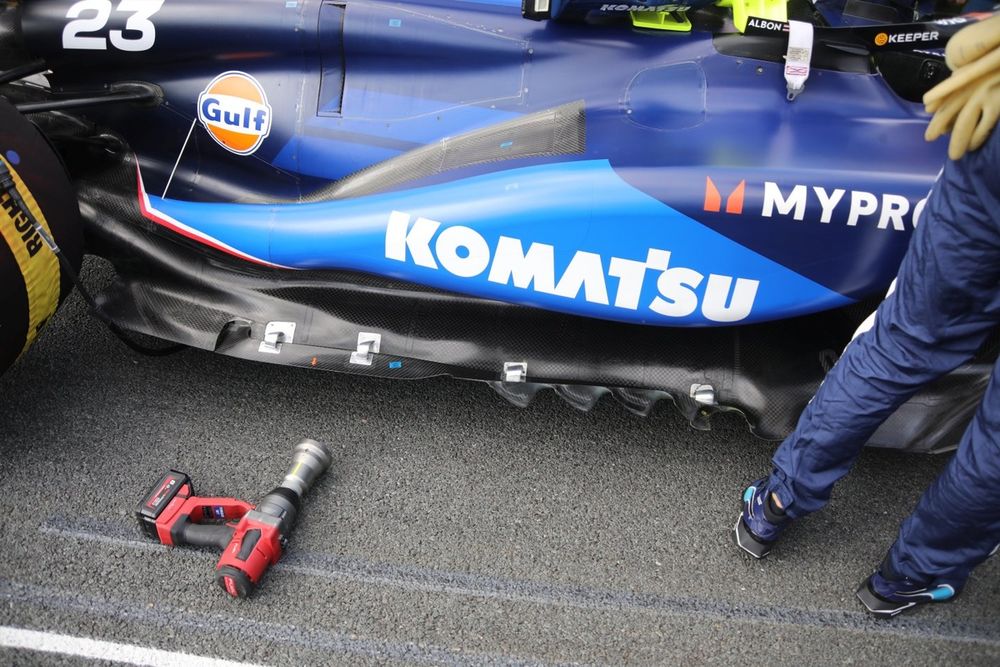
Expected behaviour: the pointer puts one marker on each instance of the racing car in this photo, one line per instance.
(691, 201)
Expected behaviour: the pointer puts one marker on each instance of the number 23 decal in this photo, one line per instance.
(90, 20)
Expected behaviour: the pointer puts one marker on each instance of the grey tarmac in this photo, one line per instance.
(452, 528)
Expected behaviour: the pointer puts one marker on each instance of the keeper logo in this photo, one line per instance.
(883, 39)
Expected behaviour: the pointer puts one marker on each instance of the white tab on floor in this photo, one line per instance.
(129, 654)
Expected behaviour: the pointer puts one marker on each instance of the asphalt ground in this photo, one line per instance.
(452, 528)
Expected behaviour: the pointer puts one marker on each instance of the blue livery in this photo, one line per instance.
(829, 187)
(590, 197)
(549, 236)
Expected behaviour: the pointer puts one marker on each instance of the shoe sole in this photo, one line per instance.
(882, 608)
(746, 541)
(878, 607)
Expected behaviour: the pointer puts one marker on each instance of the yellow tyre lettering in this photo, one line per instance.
(39, 266)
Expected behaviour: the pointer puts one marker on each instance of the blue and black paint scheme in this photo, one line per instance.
(355, 84)
(621, 179)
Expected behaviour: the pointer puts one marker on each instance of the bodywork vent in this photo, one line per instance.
(558, 131)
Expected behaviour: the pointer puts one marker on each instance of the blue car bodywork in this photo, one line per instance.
(489, 183)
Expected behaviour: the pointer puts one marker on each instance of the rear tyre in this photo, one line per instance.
(32, 283)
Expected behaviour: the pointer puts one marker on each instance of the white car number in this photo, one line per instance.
(90, 19)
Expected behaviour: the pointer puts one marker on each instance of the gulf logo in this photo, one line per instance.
(234, 110)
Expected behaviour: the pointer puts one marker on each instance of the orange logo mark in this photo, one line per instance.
(881, 39)
(713, 200)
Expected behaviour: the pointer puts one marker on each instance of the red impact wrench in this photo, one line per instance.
(251, 538)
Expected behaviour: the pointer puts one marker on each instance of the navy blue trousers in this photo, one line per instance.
(946, 303)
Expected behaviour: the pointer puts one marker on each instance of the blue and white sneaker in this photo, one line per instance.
(887, 597)
(760, 523)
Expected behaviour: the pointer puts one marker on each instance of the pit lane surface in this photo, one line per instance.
(452, 528)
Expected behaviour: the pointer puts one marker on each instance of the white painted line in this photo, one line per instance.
(131, 654)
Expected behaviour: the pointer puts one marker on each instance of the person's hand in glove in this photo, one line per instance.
(967, 104)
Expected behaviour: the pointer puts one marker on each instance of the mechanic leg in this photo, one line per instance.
(956, 524)
(945, 305)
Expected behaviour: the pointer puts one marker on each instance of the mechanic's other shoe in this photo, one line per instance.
(885, 597)
(760, 522)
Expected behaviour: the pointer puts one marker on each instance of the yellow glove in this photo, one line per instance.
(972, 42)
(967, 104)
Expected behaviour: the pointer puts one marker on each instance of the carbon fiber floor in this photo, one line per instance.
(453, 528)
